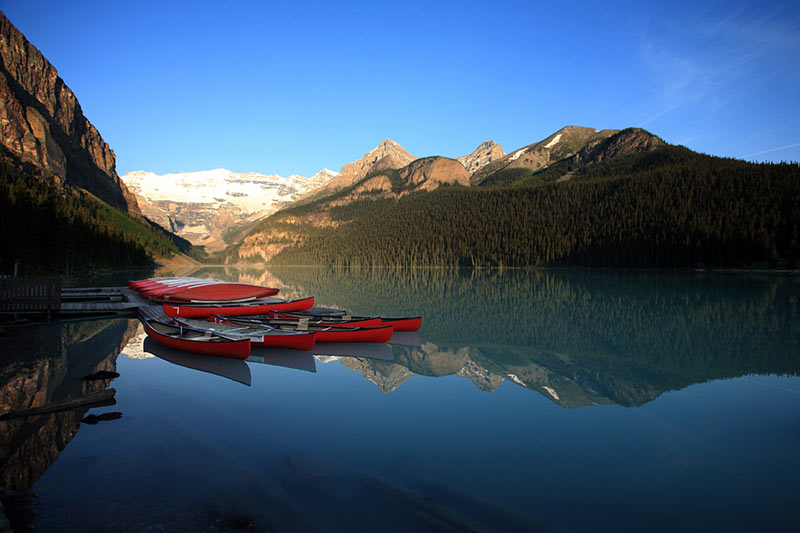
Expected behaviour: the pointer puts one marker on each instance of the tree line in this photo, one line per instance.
(45, 228)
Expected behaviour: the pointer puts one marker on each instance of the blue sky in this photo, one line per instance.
(289, 87)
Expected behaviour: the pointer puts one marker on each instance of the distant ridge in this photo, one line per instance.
(564, 143)
(207, 206)
(578, 197)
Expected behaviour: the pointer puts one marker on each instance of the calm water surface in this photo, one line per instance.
(550, 401)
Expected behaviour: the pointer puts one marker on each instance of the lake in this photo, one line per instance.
(530, 400)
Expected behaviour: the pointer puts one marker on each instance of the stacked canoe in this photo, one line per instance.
(225, 319)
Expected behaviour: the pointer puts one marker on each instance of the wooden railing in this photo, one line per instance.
(30, 295)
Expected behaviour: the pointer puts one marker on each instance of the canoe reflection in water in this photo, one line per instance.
(296, 359)
(233, 369)
(239, 371)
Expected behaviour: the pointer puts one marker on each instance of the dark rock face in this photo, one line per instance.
(626, 142)
(41, 124)
(485, 153)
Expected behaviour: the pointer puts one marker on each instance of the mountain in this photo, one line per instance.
(564, 143)
(485, 153)
(430, 173)
(624, 143)
(387, 155)
(362, 183)
(626, 200)
(59, 188)
(425, 174)
(205, 207)
(42, 124)
(389, 172)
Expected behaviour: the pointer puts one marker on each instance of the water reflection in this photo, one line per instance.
(44, 367)
(312, 445)
(578, 338)
(232, 369)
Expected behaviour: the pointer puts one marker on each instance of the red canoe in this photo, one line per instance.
(187, 290)
(190, 340)
(342, 334)
(219, 292)
(289, 318)
(258, 335)
(332, 315)
(255, 307)
(324, 332)
(145, 285)
(404, 324)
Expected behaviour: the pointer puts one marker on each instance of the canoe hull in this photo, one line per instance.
(254, 308)
(379, 335)
(323, 333)
(302, 341)
(330, 314)
(234, 349)
(404, 324)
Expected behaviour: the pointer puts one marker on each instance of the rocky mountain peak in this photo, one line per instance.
(486, 145)
(324, 174)
(621, 144)
(386, 149)
(485, 153)
(388, 154)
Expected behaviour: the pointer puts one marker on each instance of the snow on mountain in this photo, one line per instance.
(249, 191)
(201, 206)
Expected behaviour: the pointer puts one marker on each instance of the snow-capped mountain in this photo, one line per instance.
(203, 206)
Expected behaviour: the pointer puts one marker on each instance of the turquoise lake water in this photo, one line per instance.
(529, 401)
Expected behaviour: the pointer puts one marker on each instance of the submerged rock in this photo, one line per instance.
(103, 374)
(94, 419)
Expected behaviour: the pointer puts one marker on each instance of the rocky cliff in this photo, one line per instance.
(387, 155)
(42, 125)
(485, 153)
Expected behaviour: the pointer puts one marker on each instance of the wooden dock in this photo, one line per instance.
(100, 301)
(25, 297)
(29, 295)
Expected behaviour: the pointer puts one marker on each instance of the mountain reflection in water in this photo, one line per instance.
(43, 366)
(578, 338)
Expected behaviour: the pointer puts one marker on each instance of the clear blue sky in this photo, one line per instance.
(291, 88)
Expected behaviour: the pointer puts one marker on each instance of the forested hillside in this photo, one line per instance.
(46, 227)
(666, 207)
